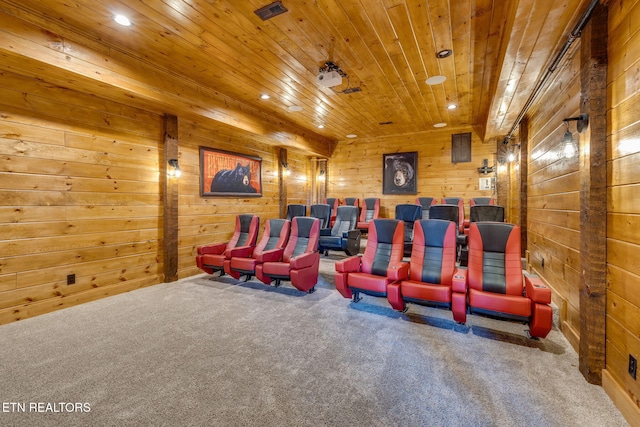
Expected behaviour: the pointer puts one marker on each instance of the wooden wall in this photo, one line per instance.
(554, 193)
(355, 168)
(79, 194)
(204, 220)
(81, 184)
(623, 188)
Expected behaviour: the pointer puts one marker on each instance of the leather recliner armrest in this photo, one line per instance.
(398, 271)
(536, 290)
(303, 260)
(213, 249)
(348, 265)
(272, 255)
(459, 281)
(241, 251)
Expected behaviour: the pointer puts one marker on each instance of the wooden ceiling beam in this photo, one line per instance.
(106, 72)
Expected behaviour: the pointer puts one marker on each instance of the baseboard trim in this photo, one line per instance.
(627, 407)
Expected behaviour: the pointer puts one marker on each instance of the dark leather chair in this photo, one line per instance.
(380, 265)
(243, 259)
(426, 203)
(451, 213)
(495, 282)
(296, 210)
(323, 213)
(409, 214)
(334, 202)
(370, 211)
(343, 236)
(298, 262)
(458, 201)
(210, 258)
(433, 277)
(481, 201)
(351, 201)
(485, 213)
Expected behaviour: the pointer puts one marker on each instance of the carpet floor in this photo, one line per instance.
(212, 351)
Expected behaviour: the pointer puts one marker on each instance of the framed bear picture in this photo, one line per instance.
(223, 173)
(399, 173)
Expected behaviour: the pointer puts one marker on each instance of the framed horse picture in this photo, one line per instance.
(223, 173)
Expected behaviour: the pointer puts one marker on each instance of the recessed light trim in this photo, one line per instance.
(265, 96)
(352, 135)
(122, 20)
(436, 80)
(444, 53)
(439, 125)
(452, 106)
(294, 108)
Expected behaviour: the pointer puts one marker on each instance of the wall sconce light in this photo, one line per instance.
(569, 148)
(175, 171)
(511, 156)
(321, 175)
(285, 166)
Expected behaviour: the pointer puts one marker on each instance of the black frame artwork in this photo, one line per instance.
(223, 173)
(400, 173)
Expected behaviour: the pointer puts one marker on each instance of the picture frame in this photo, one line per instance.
(228, 174)
(400, 173)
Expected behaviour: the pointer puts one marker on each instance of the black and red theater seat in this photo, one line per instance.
(495, 283)
(343, 236)
(408, 214)
(299, 261)
(243, 259)
(483, 213)
(333, 202)
(380, 265)
(426, 203)
(459, 202)
(210, 258)
(370, 211)
(481, 201)
(433, 277)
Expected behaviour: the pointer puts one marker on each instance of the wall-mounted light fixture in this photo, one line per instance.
(512, 150)
(285, 166)
(321, 175)
(174, 169)
(569, 148)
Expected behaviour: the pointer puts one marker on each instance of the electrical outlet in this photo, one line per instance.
(633, 364)
(71, 279)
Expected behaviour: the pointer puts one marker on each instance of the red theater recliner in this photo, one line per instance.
(210, 258)
(426, 203)
(245, 258)
(299, 261)
(370, 211)
(333, 202)
(433, 277)
(458, 201)
(481, 201)
(380, 265)
(495, 280)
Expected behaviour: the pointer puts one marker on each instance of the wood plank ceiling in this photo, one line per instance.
(215, 58)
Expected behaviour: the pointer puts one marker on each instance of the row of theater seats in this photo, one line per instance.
(288, 250)
(451, 209)
(493, 283)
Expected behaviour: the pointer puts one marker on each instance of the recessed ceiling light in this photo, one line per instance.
(352, 135)
(122, 20)
(439, 125)
(294, 108)
(452, 106)
(320, 126)
(436, 80)
(444, 53)
(264, 96)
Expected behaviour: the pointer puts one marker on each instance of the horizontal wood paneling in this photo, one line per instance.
(554, 193)
(623, 180)
(355, 169)
(79, 187)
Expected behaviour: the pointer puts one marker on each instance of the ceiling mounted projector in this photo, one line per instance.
(329, 78)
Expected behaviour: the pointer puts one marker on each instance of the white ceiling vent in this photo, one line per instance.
(269, 11)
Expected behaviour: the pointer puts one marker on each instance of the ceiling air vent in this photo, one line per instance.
(269, 11)
(385, 123)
